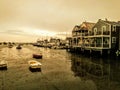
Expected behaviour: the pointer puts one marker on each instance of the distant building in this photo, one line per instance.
(69, 41)
(55, 41)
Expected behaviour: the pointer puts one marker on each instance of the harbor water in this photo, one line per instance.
(61, 70)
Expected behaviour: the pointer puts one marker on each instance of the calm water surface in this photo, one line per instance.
(61, 70)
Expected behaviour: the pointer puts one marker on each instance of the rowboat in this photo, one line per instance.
(33, 64)
(3, 64)
(37, 56)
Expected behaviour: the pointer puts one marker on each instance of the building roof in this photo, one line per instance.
(76, 28)
(111, 22)
(84, 26)
(87, 25)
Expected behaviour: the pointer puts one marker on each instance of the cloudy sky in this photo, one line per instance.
(27, 20)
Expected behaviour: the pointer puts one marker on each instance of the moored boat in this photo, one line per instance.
(37, 56)
(3, 64)
(10, 46)
(18, 47)
(33, 64)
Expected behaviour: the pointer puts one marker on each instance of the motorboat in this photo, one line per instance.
(33, 64)
(37, 56)
(3, 64)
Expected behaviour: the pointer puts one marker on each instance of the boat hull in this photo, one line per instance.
(18, 47)
(34, 65)
(37, 56)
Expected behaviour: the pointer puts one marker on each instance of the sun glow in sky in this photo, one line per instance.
(27, 20)
(25, 34)
(39, 32)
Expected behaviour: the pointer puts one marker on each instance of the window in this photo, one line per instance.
(103, 28)
(105, 40)
(114, 28)
(113, 39)
(95, 31)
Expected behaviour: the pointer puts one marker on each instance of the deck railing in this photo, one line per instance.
(105, 45)
(99, 33)
(99, 45)
(91, 33)
(106, 33)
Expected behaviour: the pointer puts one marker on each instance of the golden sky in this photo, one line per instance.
(22, 19)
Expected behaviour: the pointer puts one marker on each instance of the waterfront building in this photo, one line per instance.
(103, 36)
(79, 32)
(78, 36)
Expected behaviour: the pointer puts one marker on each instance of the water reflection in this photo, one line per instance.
(87, 73)
(3, 69)
(105, 73)
(35, 70)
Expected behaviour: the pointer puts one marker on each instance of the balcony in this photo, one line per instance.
(99, 33)
(106, 33)
(87, 45)
(92, 45)
(91, 33)
(99, 45)
(96, 45)
(86, 34)
(106, 45)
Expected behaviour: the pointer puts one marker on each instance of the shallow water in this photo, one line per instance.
(60, 70)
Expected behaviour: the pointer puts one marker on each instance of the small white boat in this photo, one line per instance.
(33, 64)
(3, 64)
